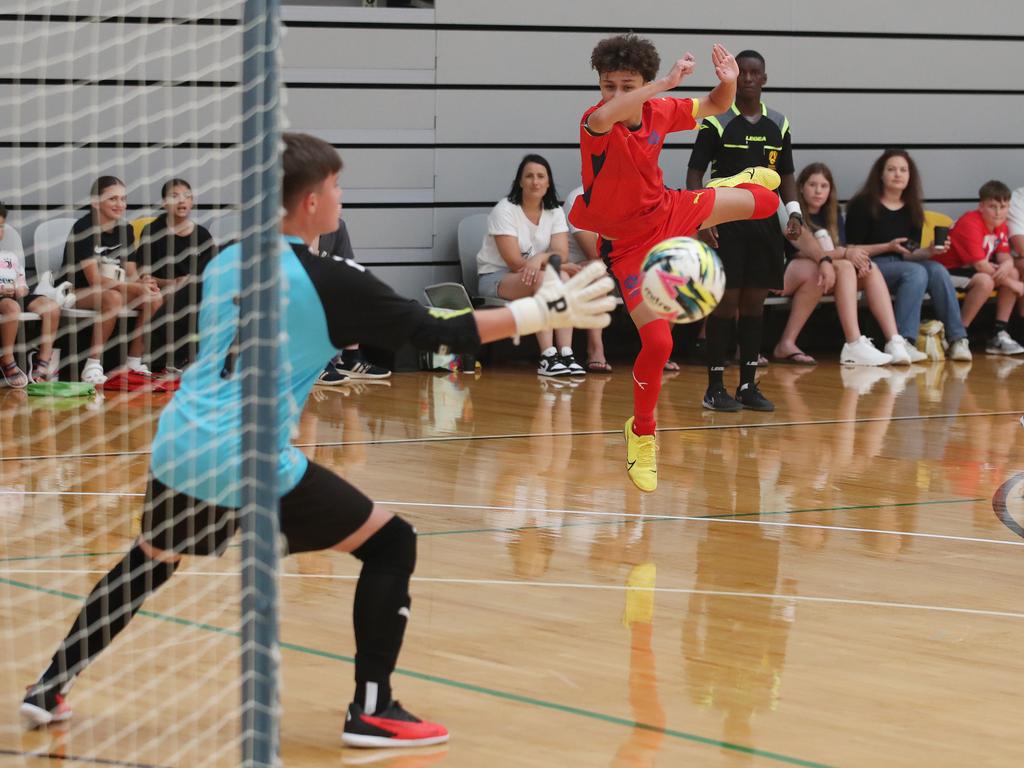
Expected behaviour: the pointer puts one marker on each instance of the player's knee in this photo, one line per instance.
(155, 553)
(983, 282)
(391, 548)
(656, 339)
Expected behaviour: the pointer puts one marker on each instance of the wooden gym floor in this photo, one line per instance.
(833, 584)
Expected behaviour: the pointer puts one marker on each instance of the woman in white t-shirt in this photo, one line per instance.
(523, 231)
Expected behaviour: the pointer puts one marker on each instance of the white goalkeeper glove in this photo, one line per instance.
(581, 302)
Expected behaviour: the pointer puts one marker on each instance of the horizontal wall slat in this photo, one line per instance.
(108, 113)
(882, 16)
(126, 51)
(383, 48)
(468, 57)
(490, 116)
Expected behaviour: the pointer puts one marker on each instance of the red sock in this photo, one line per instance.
(655, 348)
(766, 202)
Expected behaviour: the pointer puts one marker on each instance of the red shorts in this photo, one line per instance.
(687, 211)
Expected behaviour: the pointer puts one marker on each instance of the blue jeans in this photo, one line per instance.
(908, 282)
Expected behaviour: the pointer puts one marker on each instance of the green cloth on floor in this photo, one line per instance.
(60, 389)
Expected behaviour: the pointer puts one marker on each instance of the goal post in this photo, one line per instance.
(179, 104)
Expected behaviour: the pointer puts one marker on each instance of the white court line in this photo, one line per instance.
(662, 430)
(67, 493)
(603, 587)
(520, 435)
(697, 519)
(596, 513)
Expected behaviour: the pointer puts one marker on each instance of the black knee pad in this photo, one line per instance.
(393, 548)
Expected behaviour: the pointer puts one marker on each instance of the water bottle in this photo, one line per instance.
(824, 240)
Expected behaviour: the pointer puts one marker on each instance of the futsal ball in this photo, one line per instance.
(683, 280)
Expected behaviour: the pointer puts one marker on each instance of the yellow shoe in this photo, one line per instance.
(640, 594)
(641, 458)
(759, 175)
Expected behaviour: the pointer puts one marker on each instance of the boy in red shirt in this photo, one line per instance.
(625, 199)
(979, 260)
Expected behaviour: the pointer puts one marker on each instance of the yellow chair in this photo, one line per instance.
(933, 219)
(139, 224)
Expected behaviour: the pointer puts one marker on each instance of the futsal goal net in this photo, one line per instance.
(137, 139)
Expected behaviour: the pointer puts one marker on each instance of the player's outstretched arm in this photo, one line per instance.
(625, 105)
(724, 94)
(581, 302)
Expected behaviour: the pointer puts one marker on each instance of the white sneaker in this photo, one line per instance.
(960, 350)
(915, 354)
(140, 368)
(1003, 344)
(863, 352)
(551, 365)
(93, 374)
(863, 378)
(897, 349)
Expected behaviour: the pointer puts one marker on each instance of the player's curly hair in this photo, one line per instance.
(626, 53)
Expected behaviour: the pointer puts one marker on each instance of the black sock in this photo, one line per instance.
(748, 331)
(1000, 326)
(717, 331)
(107, 610)
(381, 610)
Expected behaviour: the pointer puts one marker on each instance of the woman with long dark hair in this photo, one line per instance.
(524, 230)
(854, 270)
(885, 217)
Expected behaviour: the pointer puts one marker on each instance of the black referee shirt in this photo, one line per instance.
(730, 143)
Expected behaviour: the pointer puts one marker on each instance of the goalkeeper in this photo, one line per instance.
(193, 493)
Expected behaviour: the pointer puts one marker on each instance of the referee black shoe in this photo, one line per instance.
(717, 399)
(750, 397)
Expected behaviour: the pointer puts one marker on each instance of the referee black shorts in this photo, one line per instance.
(752, 253)
(319, 512)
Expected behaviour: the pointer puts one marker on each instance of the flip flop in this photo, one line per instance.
(598, 366)
(797, 358)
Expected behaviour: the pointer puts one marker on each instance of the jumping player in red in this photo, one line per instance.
(625, 199)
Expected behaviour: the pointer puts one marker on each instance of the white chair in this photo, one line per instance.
(452, 295)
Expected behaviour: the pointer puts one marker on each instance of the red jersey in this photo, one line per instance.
(970, 241)
(624, 191)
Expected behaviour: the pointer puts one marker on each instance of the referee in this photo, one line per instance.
(748, 134)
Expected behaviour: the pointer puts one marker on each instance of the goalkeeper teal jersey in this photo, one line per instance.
(327, 303)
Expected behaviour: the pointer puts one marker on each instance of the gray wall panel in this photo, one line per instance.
(333, 48)
(371, 110)
(387, 168)
(553, 58)
(943, 16)
(473, 116)
(142, 51)
(393, 228)
(60, 175)
(65, 113)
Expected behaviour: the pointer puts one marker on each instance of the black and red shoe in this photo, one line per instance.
(390, 727)
(43, 706)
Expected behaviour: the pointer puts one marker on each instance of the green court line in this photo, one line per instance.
(472, 688)
(727, 516)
